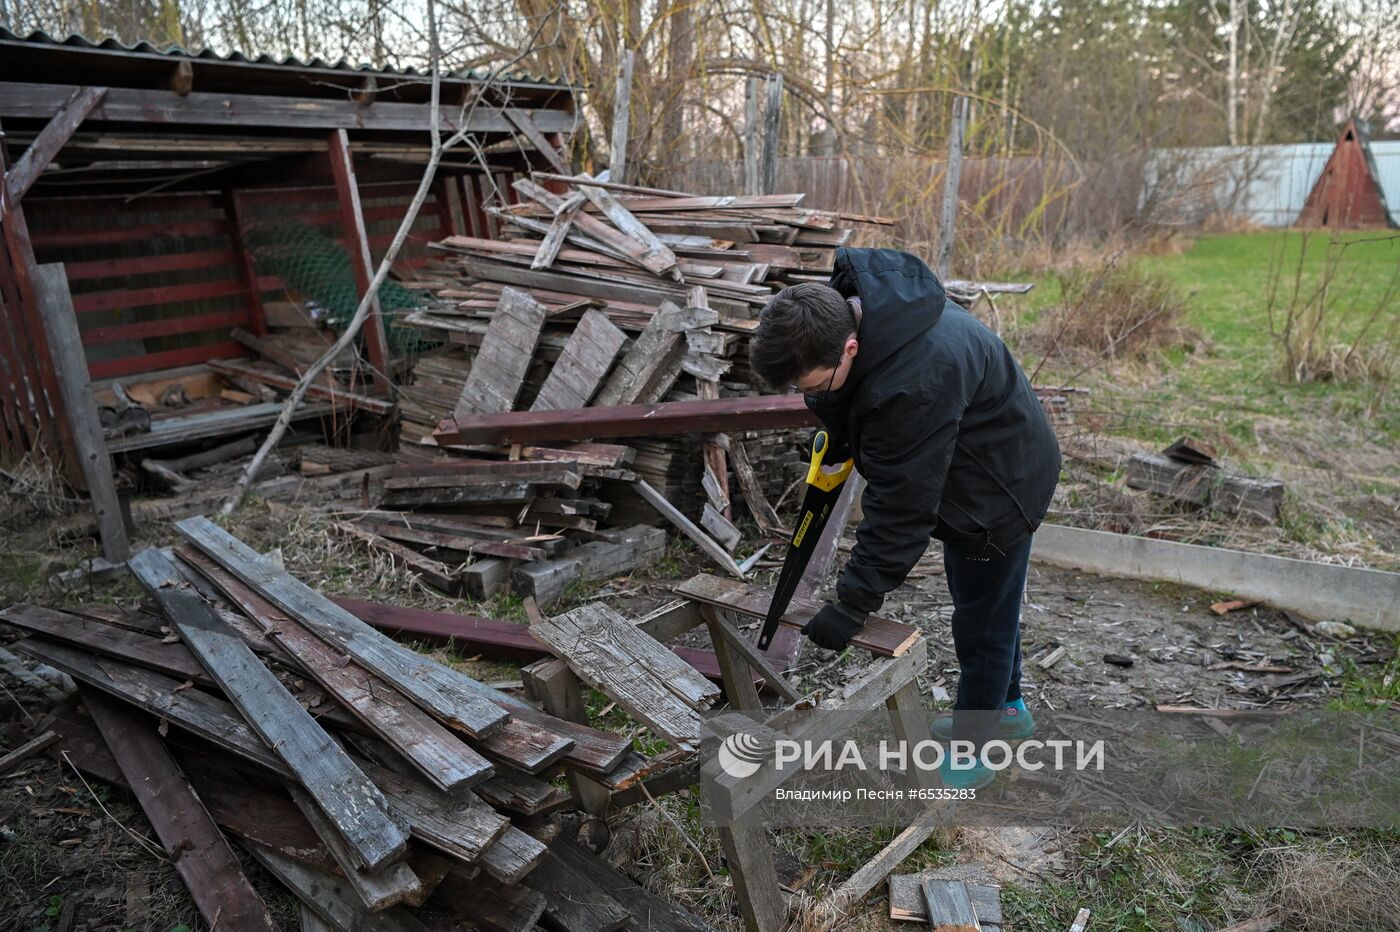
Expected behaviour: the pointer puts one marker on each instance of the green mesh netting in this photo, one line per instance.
(318, 268)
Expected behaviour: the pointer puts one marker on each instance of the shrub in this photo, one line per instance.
(1115, 311)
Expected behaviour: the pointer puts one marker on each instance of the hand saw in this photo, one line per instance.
(823, 489)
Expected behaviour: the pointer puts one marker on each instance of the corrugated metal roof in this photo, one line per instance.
(40, 38)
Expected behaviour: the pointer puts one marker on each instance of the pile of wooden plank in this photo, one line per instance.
(608, 296)
(383, 789)
(474, 524)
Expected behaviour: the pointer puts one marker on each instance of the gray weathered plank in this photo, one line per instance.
(583, 364)
(377, 889)
(907, 896)
(347, 797)
(675, 516)
(572, 900)
(331, 897)
(512, 856)
(949, 906)
(658, 346)
(558, 231)
(60, 322)
(506, 351)
(629, 666)
(627, 222)
(453, 697)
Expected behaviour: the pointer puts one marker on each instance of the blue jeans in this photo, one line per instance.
(986, 636)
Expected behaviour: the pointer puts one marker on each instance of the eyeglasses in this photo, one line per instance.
(818, 393)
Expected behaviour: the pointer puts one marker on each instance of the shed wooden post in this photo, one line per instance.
(32, 363)
(55, 304)
(952, 175)
(622, 103)
(751, 180)
(352, 221)
(772, 132)
(247, 271)
(558, 690)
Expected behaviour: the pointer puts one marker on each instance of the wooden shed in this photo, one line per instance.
(149, 173)
(1347, 195)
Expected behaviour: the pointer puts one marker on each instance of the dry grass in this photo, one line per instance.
(1333, 886)
(1115, 311)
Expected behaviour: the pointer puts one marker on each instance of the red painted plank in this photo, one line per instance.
(53, 239)
(169, 359)
(324, 194)
(220, 320)
(146, 265)
(761, 412)
(146, 297)
(41, 207)
(500, 640)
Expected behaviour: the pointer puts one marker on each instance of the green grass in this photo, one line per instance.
(1237, 378)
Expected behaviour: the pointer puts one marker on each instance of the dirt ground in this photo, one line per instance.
(77, 855)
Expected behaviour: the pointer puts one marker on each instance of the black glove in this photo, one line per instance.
(834, 626)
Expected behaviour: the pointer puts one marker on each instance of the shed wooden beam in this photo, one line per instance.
(134, 105)
(59, 130)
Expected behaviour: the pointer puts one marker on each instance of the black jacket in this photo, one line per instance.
(942, 423)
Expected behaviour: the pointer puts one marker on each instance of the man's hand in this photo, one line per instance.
(834, 626)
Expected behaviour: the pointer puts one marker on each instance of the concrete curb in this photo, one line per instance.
(1318, 590)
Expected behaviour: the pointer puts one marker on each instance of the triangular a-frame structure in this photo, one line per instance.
(1347, 194)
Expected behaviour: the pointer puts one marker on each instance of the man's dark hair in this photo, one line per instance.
(803, 327)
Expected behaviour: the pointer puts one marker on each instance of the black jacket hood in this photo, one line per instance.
(942, 423)
(900, 298)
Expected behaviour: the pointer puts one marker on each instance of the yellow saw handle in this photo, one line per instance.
(829, 478)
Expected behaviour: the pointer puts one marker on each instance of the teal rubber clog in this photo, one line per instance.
(1016, 724)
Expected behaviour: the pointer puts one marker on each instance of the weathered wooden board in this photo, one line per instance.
(686, 526)
(377, 889)
(581, 367)
(631, 667)
(453, 697)
(497, 493)
(879, 636)
(907, 895)
(458, 824)
(949, 906)
(437, 754)
(512, 856)
(646, 364)
(759, 508)
(332, 898)
(197, 848)
(109, 640)
(347, 797)
(500, 365)
(573, 900)
(1205, 485)
(491, 905)
(649, 912)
